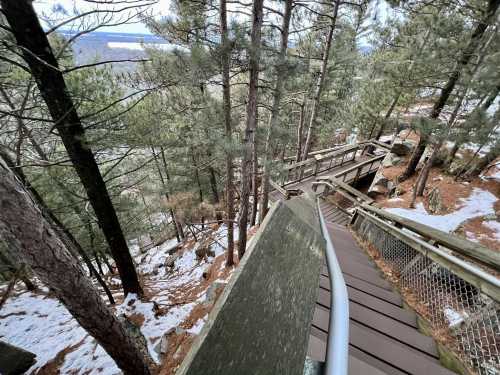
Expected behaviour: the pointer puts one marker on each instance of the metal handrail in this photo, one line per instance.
(486, 282)
(337, 347)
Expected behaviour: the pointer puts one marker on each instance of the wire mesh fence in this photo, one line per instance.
(460, 315)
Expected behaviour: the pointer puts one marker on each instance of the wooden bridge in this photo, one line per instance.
(349, 163)
(307, 299)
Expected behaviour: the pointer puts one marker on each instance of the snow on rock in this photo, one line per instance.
(479, 203)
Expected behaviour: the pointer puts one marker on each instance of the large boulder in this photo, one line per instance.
(380, 185)
(170, 261)
(391, 160)
(402, 148)
(14, 360)
(435, 201)
(203, 251)
(214, 290)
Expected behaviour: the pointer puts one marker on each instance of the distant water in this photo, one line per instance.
(102, 46)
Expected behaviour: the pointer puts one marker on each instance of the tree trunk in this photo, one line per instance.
(179, 232)
(215, 193)
(255, 184)
(251, 123)
(482, 163)
(300, 129)
(320, 82)
(275, 109)
(37, 244)
(462, 62)
(226, 100)
(198, 182)
(38, 55)
(70, 241)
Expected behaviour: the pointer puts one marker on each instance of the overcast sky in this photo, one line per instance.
(161, 8)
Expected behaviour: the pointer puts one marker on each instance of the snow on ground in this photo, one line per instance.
(479, 203)
(41, 324)
(494, 226)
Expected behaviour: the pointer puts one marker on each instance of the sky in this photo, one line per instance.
(46, 7)
(160, 8)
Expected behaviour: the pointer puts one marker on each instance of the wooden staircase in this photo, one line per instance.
(383, 336)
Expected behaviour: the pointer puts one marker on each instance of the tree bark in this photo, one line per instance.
(275, 109)
(38, 55)
(37, 244)
(215, 193)
(251, 123)
(255, 184)
(320, 82)
(178, 225)
(462, 62)
(70, 241)
(300, 129)
(226, 100)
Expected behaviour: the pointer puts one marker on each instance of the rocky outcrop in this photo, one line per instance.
(402, 147)
(213, 291)
(380, 185)
(14, 360)
(391, 160)
(203, 251)
(435, 201)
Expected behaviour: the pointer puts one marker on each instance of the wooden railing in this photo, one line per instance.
(292, 159)
(319, 163)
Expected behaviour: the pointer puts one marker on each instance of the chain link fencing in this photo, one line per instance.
(462, 317)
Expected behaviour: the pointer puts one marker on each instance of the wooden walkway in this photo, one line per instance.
(306, 184)
(383, 335)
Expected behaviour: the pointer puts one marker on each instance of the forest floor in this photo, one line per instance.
(470, 209)
(177, 301)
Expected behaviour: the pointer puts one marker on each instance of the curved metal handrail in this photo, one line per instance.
(337, 347)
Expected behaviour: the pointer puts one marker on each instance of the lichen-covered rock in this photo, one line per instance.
(391, 160)
(162, 346)
(402, 148)
(380, 185)
(204, 251)
(435, 201)
(213, 290)
(170, 261)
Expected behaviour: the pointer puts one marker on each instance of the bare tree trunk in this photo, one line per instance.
(179, 232)
(462, 62)
(300, 128)
(198, 182)
(36, 243)
(215, 193)
(255, 185)
(38, 54)
(273, 121)
(320, 82)
(226, 99)
(251, 123)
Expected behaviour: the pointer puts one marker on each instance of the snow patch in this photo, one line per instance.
(479, 203)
